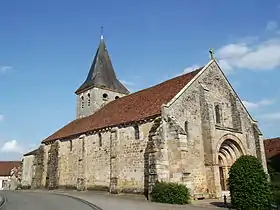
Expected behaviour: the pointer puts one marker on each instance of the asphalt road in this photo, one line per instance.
(19, 200)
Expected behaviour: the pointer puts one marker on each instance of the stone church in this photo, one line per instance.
(189, 129)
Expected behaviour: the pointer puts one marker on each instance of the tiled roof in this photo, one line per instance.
(272, 147)
(7, 166)
(134, 107)
(33, 152)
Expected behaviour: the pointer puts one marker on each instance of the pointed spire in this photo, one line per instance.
(101, 33)
(211, 51)
(101, 73)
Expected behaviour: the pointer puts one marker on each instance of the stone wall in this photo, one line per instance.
(94, 99)
(195, 112)
(38, 168)
(27, 171)
(52, 166)
(131, 157)
(112, 160)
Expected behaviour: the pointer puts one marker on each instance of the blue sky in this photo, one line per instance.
(47, 48)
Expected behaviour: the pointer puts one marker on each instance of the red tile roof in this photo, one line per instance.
(7, 166)
(272, 147)
(131, 108)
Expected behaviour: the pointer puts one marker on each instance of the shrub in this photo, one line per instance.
(248, 184)
(172, 193)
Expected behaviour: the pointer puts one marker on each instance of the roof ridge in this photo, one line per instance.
(145, 89)
(153, 86)
(134, 107)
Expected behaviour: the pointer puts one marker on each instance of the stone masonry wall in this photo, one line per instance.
(98, 161)
(68, 163)
(196, 108)
(52, 166)
(131, 158)
(113, 160)
(45, 165)
(94, 100)
(38, 165)
(27, 171)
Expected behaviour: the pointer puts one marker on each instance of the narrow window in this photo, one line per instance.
(217, 113)
(100, 139)
(248, 140)
(71, 145)
(82, 102)
(88, 102)
(136, 132)
(186, 127)
(83, 145)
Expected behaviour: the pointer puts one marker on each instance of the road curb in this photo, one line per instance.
(93, 206)
(2, 201)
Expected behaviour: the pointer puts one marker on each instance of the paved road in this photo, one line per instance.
(16, 200)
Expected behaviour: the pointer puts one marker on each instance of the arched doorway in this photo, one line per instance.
(229, 152)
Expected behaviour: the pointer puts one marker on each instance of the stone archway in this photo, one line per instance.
(229, 151)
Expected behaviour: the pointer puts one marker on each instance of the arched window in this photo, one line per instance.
(136, 132)
(88, 102)
(82, 102)
(186, 127)
(100, 139)
(71, 145)
(217, 114)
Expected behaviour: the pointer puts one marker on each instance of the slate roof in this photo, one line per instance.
(131, 108)
(272, 147)
(101, 73)
(7, 166)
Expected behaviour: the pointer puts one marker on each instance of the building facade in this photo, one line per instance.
(189, 129)
(10, 173)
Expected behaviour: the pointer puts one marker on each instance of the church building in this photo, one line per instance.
(189, 129)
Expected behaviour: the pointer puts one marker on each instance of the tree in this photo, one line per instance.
(248, 184)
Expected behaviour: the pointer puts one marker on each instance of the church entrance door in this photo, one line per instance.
(229, 152)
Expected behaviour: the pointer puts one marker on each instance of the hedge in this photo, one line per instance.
(172, 193)
(248, 184)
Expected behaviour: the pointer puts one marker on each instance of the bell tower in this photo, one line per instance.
(101, 85)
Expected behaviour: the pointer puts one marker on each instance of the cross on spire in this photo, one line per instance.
(211, 51)
(101, 32)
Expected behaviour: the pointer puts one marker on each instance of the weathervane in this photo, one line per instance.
(211, 51)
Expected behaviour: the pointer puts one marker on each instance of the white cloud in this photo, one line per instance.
(12, 147)
(257, 55)
(126, 82)
(4, 69)
(232, 50)
(258, 104)
(191, 68)
(264, 56)
(187, 70)
(271, 26)
(1, 117)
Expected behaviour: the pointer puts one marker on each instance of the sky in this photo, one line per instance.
(46, 49)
